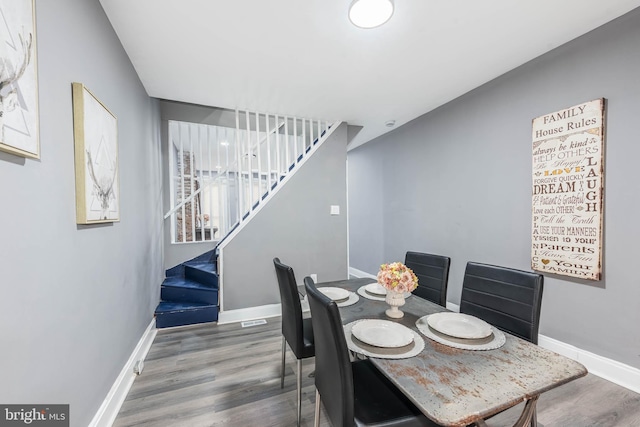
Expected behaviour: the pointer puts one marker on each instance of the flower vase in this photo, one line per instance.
(395, 300)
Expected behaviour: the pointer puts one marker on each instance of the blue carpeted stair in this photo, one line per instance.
(189, 294)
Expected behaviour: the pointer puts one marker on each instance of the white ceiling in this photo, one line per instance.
(304, 57)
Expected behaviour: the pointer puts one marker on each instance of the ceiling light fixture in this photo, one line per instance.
(370, 13)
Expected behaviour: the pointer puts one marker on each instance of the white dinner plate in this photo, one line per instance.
(336, 294)
(413, 349)
(382, 333)
(376, 289)
(459, 325)
(495, 340)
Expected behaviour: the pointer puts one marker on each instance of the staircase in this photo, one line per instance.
(189, 294)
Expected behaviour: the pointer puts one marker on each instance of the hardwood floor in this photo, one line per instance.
(226, 375)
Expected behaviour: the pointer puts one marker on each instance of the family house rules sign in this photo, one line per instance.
(567, 191)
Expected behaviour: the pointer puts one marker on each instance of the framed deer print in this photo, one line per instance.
(95, 131)
(18, 79)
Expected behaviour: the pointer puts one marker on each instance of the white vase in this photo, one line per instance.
(395, 300)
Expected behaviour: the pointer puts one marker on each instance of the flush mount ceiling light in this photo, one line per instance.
(370, 13)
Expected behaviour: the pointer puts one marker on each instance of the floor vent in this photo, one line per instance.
(256, 322)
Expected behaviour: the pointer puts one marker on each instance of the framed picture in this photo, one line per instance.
(568, 191)
(95, 130)
(18, 79)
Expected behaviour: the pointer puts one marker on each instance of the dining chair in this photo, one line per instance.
(353, 393)
(296, 330)
(507, 298)
(433, 275)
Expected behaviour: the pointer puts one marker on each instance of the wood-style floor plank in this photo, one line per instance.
(225, 375)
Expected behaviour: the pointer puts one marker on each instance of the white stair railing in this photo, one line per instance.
(219, 175)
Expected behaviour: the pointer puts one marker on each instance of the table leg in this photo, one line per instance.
(527, 418)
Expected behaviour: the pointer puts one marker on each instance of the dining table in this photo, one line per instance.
(457, 387)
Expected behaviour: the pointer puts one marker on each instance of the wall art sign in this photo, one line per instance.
(567, 191)
(18, 79)
(95, 131)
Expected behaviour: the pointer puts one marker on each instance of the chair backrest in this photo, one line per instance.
(334, 375)
(292, 327)
(508, 299)
(433, 275)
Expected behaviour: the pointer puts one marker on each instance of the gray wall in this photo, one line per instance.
(296, 227)
(76, 299)
(457, 182)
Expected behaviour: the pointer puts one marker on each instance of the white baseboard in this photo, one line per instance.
(360, 273)
(609, 369)
(251, 313)
(109, 409)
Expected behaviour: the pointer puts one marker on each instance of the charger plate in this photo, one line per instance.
(353, 298)
(493, 341)
(357, 346)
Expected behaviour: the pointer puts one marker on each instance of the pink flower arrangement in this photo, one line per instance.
(397, 277)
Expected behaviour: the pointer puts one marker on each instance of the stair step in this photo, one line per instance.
(203, 272)
(169, 314)
(178, 270)
(178, 289)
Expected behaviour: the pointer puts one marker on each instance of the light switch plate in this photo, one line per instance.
(335, 210)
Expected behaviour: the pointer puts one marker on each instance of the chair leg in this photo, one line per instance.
(284, 350)
(299, 391)
(316, 421)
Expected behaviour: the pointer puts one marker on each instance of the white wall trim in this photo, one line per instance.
(360, 273)
(109, 409)
(609, 369)
(250, 313)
